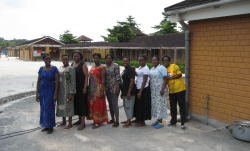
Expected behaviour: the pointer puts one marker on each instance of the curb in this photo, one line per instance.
(15, 97)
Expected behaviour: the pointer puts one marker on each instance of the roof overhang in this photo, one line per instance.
(46, 38)
(121, 48)
(40, 45)
(221, 8)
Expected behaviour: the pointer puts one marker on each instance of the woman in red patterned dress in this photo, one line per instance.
(96, 97)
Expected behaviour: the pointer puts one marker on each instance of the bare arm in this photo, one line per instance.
(145, 77)
(164, 85)
(86, 74)
(130, 88)
(174, 77)
(103, 73)
(37, 88)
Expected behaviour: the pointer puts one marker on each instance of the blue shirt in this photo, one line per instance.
(162, 71)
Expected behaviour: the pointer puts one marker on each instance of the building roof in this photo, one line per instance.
(187, 3)
(30, 42)
(140, 42)
(166, 40)
(138, 33)
(84, 38)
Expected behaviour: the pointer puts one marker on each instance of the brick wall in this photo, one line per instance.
(220, 67)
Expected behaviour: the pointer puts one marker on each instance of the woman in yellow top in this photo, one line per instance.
(177, 91)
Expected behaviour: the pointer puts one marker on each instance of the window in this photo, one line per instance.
(143, 52)
(172, 54)
(133, 53)
(138, 53)
(125, 53)
(111, 51)
(179, 56)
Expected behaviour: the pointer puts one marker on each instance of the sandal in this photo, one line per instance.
(68, 128)
(140, 124)
(76, 123)
(50, 131)
(134, 121)
(159, 125)
(60, 125)
(110, 122)
(45, 129)
(126, 126)
(81, 128)
(124, 122)
(155, 123)
(116, 124)
(96, 126)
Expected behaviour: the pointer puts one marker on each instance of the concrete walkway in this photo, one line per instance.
(23, 114)
(20, 130)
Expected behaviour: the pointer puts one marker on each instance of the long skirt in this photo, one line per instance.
(142, 109)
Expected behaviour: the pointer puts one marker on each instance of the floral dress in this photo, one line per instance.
(97, 105)
(159, 103)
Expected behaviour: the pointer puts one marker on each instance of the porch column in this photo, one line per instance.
(47, 50)
(62, 52)
(32, 50)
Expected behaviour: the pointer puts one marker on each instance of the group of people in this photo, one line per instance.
(83, 93)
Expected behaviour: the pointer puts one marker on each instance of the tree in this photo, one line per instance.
(182, 29)
(68, 38)
(165, 27)
(132, 23)
(120, 33)
(4, 44)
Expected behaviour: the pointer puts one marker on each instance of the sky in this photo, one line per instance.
(31, 19)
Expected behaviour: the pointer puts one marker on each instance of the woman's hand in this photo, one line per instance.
(102, 94)
(162, 92)
(168, 78)
(70, 97)
(37, 98)
(139, 95)
(54, 97)
(117, 91)
(128, 96)
(84, 91)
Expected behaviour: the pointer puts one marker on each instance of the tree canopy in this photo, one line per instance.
(122, 32)
(68, 38)
(165, 27)
(6, 43)
(132, 23)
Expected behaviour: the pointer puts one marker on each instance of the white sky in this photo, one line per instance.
(30, 19)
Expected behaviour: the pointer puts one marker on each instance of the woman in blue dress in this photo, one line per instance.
(47, 86)
(159, 92)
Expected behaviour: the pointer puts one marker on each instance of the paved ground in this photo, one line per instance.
(20, 130)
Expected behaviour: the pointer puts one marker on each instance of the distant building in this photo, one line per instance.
(34, 49)
(141, 44)
(83, 38)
